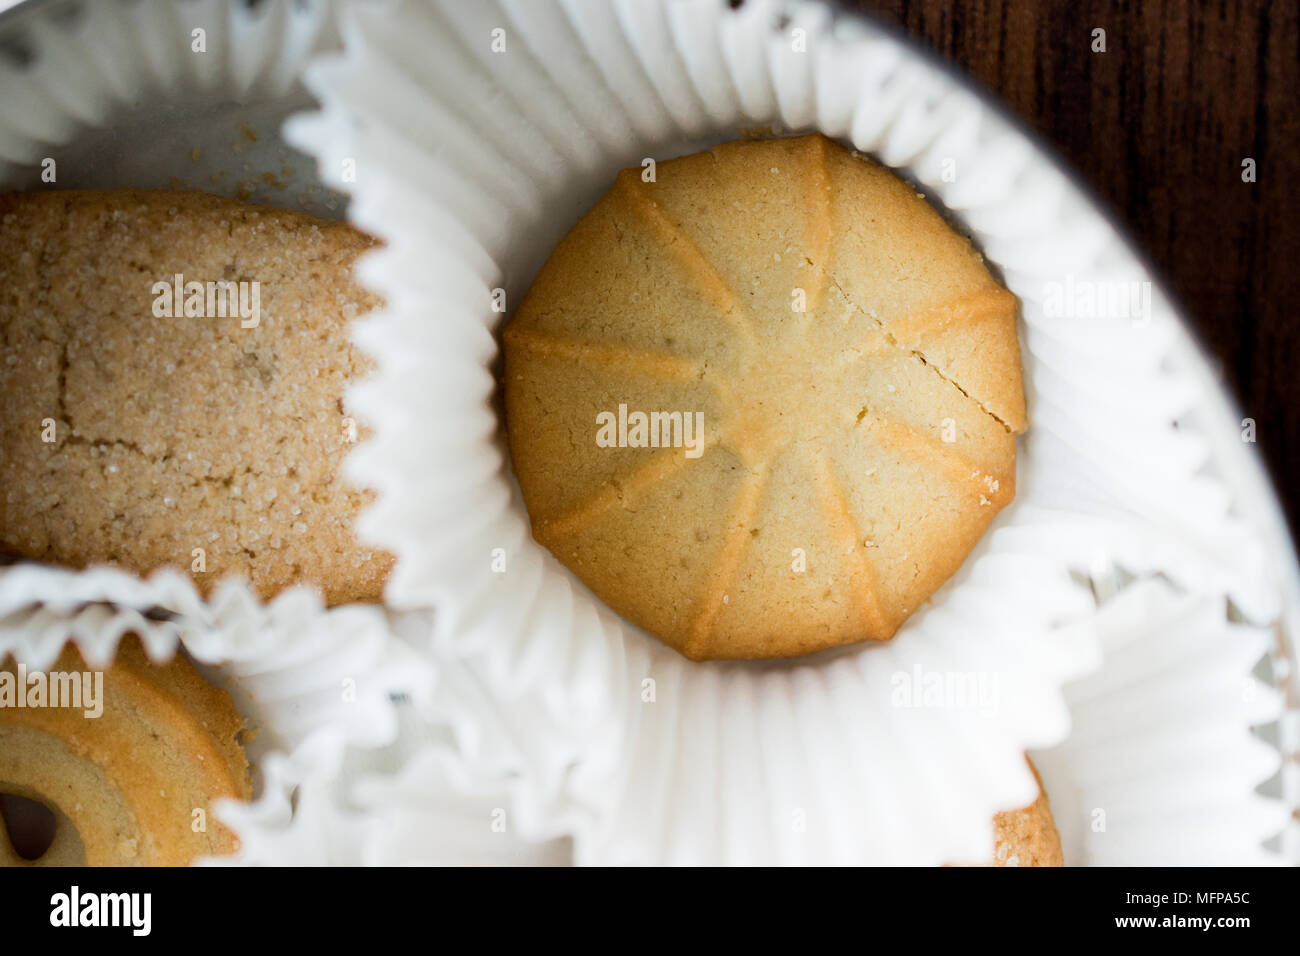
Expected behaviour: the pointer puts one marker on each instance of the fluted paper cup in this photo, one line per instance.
(120, 94)
(1162, 767)
(152, 94)
(428, 796)
(477, 135)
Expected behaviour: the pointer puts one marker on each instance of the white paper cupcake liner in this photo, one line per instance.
(332, 809)
(422, 799)
(439, 810)
(471, 164)
(114, 93)
(1161, 767)
(294, 671)
(295, 821)
(99, 89)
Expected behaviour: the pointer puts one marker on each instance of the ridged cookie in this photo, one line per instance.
(857, 371)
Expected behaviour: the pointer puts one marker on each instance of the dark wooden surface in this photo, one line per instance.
(1158, 126)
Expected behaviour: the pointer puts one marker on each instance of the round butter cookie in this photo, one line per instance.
(133, 784)
(172, 373)
(763, 400)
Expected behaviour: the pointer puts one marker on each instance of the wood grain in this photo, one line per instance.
(1158, 126)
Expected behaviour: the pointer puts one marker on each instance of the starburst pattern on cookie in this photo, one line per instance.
(819, 409)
